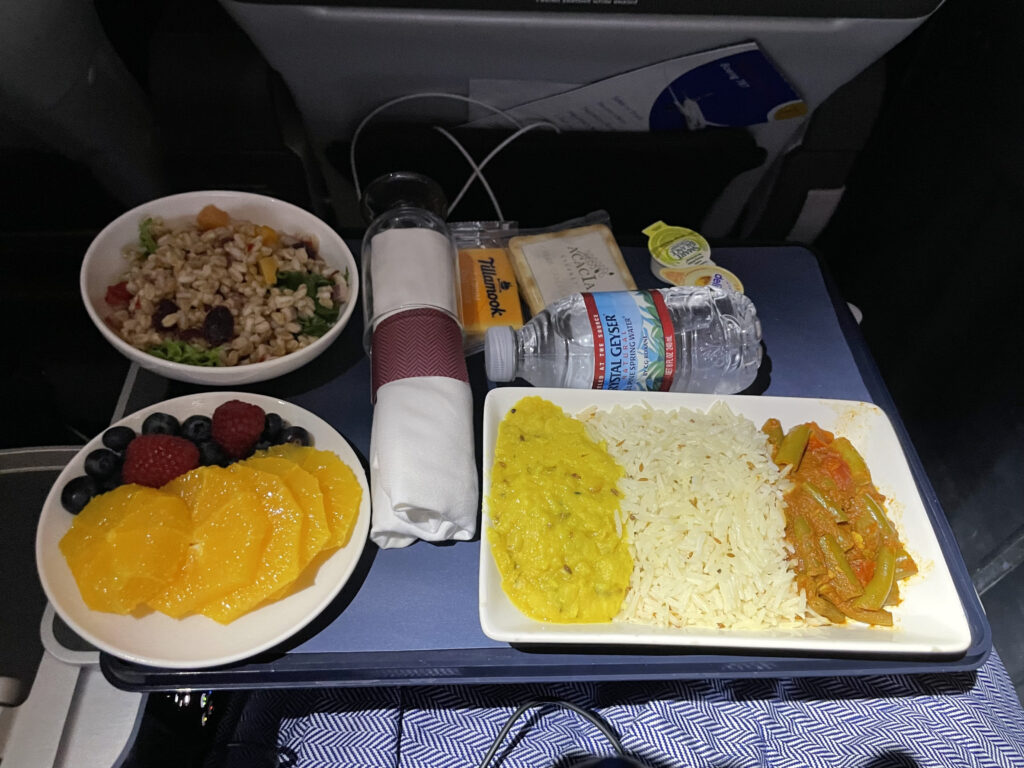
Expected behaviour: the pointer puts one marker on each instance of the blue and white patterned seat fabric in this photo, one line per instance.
(943, 720)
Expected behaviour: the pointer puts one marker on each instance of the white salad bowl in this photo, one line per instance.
(104, 266)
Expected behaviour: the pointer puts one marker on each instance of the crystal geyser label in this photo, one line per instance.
(634, 340)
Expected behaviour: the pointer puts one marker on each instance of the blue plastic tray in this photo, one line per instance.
(409, 616)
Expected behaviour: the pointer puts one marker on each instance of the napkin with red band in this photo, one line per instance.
(423, 475)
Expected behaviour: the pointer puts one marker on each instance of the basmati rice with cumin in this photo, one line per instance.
(704, 516)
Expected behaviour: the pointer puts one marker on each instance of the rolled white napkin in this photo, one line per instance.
(423, 475)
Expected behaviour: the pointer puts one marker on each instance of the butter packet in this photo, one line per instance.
(566, 259)
(489, 289)
(681, 256)
(675, 247)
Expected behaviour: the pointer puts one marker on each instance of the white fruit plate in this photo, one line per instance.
(196, 641)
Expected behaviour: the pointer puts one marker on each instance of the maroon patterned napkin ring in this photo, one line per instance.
(416, 342)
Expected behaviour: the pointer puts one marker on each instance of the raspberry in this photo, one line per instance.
(156, 459)
(237, 426)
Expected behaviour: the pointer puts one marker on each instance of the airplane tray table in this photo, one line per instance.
(409, 616)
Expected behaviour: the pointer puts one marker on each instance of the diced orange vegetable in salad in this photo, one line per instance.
(212, 217)
(269, 234)
(268, 268)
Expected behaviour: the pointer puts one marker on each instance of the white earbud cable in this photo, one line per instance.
(494, 153)
(477, 168)
(409, 97)
(476, 173)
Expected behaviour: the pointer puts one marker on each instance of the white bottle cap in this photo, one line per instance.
(500, 353)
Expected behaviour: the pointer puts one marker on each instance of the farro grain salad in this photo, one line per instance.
(221, 291)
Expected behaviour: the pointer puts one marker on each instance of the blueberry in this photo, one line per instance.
(210, 453)
(296, 435)
(77, 493)
(262, 445)
(117, 438)
(272, 426)
(102, 464)
(160, 424)
(197, 428)
(112, 482)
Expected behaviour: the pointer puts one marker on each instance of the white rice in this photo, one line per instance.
(703, 512)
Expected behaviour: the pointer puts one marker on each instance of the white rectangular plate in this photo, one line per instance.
(929, 621)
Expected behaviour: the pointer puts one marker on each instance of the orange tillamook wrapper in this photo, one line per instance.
(490, 293)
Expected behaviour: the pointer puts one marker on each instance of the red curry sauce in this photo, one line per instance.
(848, 556)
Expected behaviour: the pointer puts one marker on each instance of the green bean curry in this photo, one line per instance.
(847, 554)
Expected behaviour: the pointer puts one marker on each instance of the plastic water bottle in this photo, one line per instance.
(679, 339)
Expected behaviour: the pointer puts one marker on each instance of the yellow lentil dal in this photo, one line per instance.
(553, 506)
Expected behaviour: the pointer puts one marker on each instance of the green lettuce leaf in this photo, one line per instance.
(323, 317)
(183, 352)
(146, 235)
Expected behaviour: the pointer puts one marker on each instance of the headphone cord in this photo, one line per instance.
(588, 716)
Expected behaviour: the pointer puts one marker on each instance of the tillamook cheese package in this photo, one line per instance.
(490, 294)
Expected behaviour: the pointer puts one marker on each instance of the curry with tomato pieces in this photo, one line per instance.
(848, 556)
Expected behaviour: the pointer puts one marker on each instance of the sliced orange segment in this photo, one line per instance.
(306, 490)
(341, 490)
(279, 561)
(126, 545)
(227, 543)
